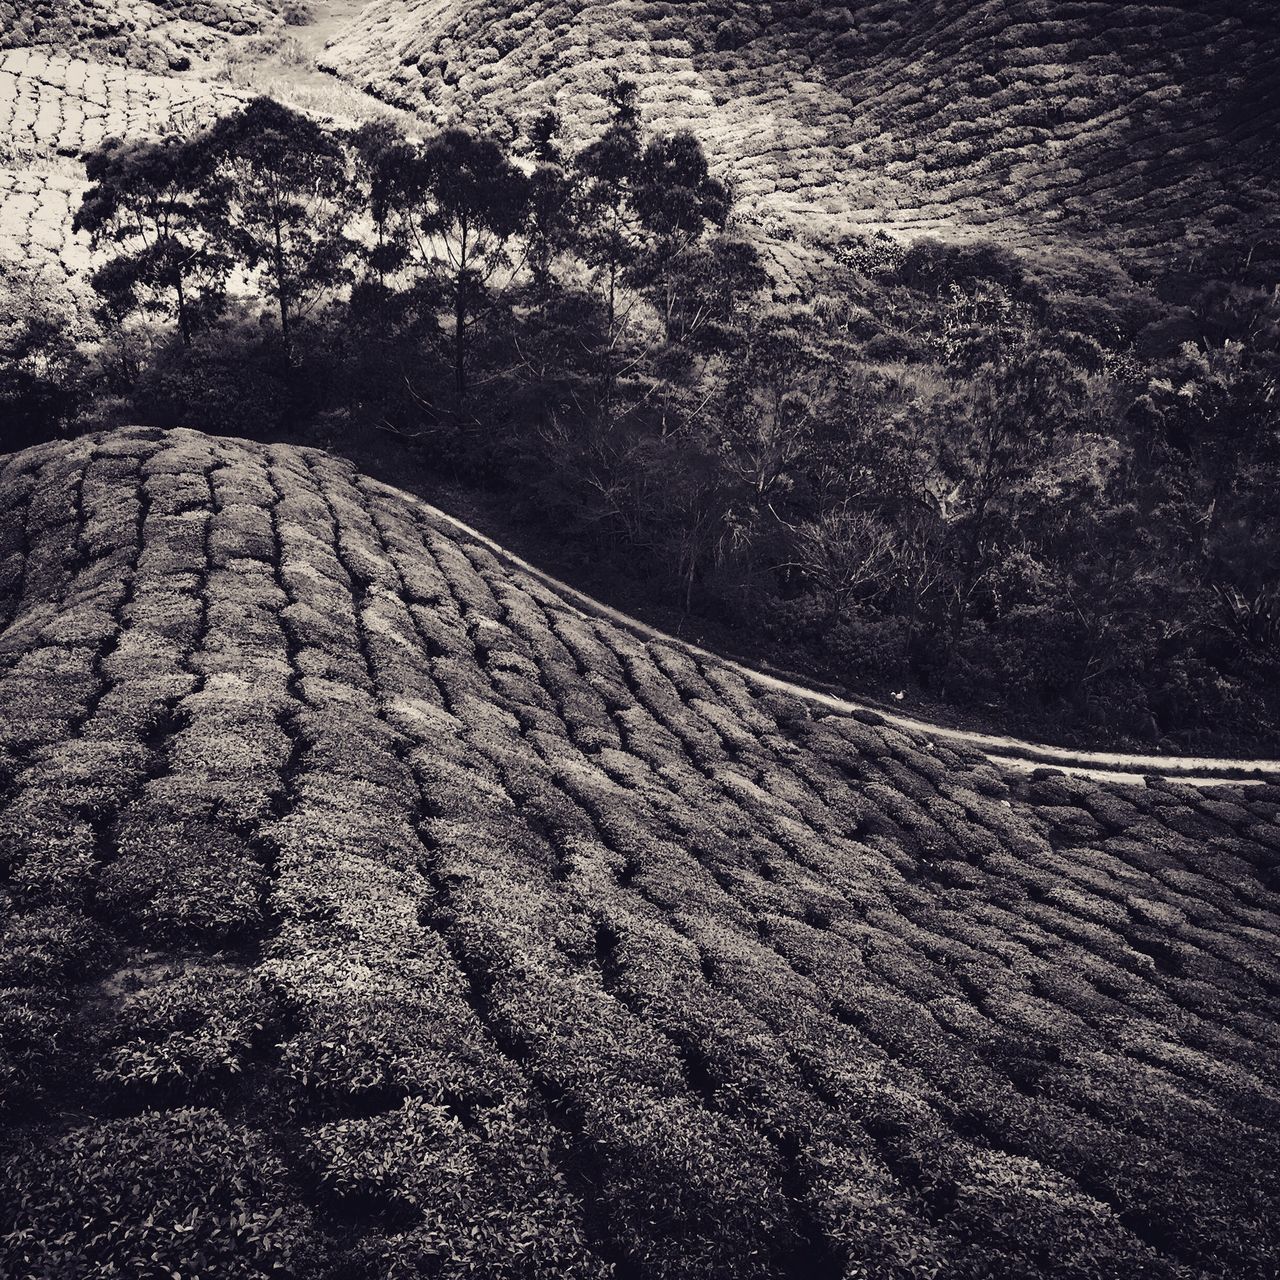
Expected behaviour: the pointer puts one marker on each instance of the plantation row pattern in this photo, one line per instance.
(147, 35)
(370, 908)
(54, 105)
(1140, 128)
(52, 110)
(61, 96)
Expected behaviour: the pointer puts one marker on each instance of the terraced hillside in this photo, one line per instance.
(147, 35)
(74, 74)
(1132, 126)
(1147, 130)
(370, 909)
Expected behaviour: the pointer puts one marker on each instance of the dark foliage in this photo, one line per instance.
(1047, 497)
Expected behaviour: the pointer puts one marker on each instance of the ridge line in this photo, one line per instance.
(1015, 753)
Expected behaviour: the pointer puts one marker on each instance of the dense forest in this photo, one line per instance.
(1043, 490)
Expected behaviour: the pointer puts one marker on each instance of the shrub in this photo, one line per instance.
(30, 1057)
(182, 880)
(453, 1200)
(189, 1033)
(297, 13)
(179, 1192)
(50, 947)
(231, 383)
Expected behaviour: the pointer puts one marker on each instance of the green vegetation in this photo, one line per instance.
(370, 911)
(1044, 491)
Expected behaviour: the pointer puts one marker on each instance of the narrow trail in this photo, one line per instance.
(1008, 752)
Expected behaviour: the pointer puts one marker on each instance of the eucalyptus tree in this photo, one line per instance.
(163, 207)
(290, 203)
(450, 210)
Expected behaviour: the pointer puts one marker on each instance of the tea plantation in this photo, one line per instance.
(371, 909)
(1142, 129)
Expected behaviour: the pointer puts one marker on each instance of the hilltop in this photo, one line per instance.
(371, 907)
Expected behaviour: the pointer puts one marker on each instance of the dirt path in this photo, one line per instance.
(1013, 753)
(294, 74)
(330, 18)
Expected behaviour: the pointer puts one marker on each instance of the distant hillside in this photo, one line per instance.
(75, 73)
(1132, 126)
(148, 35)
(1148, 130)
(369, 909)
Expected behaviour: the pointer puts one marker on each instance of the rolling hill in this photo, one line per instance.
(1144, 129)
(371, 907)
(1143, 132)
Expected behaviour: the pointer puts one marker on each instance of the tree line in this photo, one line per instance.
(452, 225)
(1045, 493)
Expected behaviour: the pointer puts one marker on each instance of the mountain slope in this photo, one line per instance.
(75, 74)
(1134, 127)
(371, 910)
(1146, 131)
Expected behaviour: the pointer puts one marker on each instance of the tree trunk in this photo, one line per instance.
(184, 319)
(460, 318)
(459, 338)
(613, 289)
(281, 287)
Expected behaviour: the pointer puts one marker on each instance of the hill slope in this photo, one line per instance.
(73, 74)
(1146, 131)
(369, 910)
(1131, 126)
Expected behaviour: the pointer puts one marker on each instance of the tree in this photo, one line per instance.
(992, 435)
(675, 200)
(43, 379)
(703, 305)
(607, 219)
(461, 201)
(775, 382)
(550, 225)
(844, 551)
(162, 205)
(383, 156)
(290, 202)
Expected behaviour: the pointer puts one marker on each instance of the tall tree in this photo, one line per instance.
(550, 225)
(163, 207)
(607, 215)
(676, 200)
(290, 205)
(463, 201)
(383, 158)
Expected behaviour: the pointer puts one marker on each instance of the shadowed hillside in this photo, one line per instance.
(370, 910)
(1128, 126)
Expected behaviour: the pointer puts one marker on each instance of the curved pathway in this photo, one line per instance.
(1013, 753)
